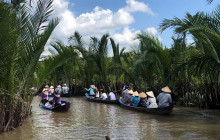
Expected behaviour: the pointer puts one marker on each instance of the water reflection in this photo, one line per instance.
(88, 120)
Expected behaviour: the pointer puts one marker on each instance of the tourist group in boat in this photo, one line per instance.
(94, 93)
(148, 100)
(56, 94)
(133, 98)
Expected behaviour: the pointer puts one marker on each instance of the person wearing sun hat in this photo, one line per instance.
(65, 89)
(58, 90)
(56, 100)
(96, 92)
(164, 98)
(47, 87)
(125, 92)
(127, 97)
(91, 90)
(44, 96)
(51, 90)
(151, 101)
(135, 99)
(143, 99)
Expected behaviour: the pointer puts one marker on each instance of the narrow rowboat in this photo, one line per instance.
(101, 101)
(65, 105)
(159, 111)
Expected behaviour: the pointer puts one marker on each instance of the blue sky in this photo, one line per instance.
(122, 19)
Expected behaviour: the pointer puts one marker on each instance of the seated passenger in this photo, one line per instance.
(58, 90)
(104, 96)
(143, 100)
(151, 101)
(111, 96)
(56, 100)
(44, 96)
(51, 91)
(135, 99)
(164, 98)
(96, 92)
(91, 90)
(65, 89)
(128, 96)
(47, 87)
(124, 92)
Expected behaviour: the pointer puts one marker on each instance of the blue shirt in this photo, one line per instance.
(135, 101)
(164, 99)
(91, 91)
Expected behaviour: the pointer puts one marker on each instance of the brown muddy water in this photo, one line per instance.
(93, 121)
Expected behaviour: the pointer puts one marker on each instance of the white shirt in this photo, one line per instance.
(112, 96)
(151, 103)
(97, 94)
(104, 96)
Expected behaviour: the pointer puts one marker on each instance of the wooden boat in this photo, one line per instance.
(65, 105)
(159, 111)
(101, 101)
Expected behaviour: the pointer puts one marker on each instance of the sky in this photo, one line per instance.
(122, 19)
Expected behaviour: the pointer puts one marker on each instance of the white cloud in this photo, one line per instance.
(154, 32)
(101, 21)
(134, 6)
(126, 38)
(98, 22)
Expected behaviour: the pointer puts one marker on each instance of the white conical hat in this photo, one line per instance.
(45, 89)
(150, 93)
(130, 92)
(142, 95)
(92, 86)
(166, 89)
(135, 93)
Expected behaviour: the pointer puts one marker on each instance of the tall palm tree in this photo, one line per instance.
(99, 53)
(62, 55)
(24, 33)
(205, 30)
(85, 54)
(116, 67)
(153, 60)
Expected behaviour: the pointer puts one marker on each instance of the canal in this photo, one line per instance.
(88, 120)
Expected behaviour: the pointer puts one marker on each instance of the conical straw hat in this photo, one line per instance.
(142, 95)
(166, 89)
(135, 93)
(45, 89)
(150, 93)
(92, 86)
(130, 92)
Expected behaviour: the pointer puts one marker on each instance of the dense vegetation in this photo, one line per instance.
(24, 32)
(191, 70)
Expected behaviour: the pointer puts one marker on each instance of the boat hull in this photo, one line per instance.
(158, 111)
(65, 105)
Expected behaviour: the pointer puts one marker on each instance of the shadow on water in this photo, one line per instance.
(89, 120)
